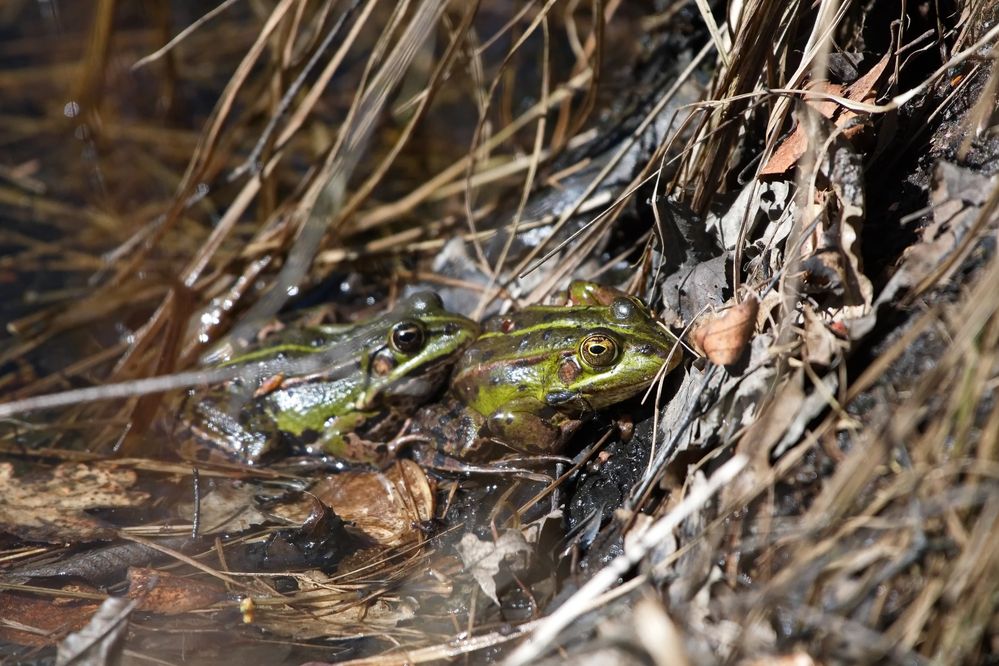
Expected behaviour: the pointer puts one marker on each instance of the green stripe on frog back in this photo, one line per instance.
(579, 321)
(303, 361)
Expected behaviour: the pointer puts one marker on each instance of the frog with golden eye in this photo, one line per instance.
(532, 377)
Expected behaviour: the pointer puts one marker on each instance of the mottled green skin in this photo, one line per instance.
(307, 389)
(525, 381)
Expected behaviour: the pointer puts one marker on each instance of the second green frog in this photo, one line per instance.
(330, 389)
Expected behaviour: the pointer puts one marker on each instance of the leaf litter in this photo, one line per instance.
(814, 207)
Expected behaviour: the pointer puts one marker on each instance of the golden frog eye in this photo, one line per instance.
(407, 336)
(598, 350)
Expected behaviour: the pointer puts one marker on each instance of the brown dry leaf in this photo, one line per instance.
(790, 150)
(50, 505)
(483, 559)
(387, 506)
(167, 594)
(794, 145)
(42, 621)
(723, 336)
(861, 90)
(787, 153)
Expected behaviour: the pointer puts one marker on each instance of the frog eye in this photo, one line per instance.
(407, 336)
(598, 350)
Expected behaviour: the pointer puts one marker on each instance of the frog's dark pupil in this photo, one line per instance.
(407, 336)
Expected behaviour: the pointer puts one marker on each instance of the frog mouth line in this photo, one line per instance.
(427, 380)
(624, 391)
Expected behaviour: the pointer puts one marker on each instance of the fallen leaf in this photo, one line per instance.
(42, 621)
(862, 90)
(723, 336)
(483, 559)
(794, 145)
(322, 540)
(821, 345)
(387, 506)
(690, 290)
(758, 202)
(167, 594)
(51, 506)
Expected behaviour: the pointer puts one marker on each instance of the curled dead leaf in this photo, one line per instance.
(484, 559)
(167, 594)
(723, 336)
(387, 506)
(793, 146)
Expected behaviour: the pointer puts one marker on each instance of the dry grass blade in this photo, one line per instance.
(325, 196)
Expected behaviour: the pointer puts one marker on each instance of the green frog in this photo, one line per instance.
(532, 377)
(330, 389)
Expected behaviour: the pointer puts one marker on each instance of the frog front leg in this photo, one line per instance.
(216, 434)
(339, 439)
(528, 421)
